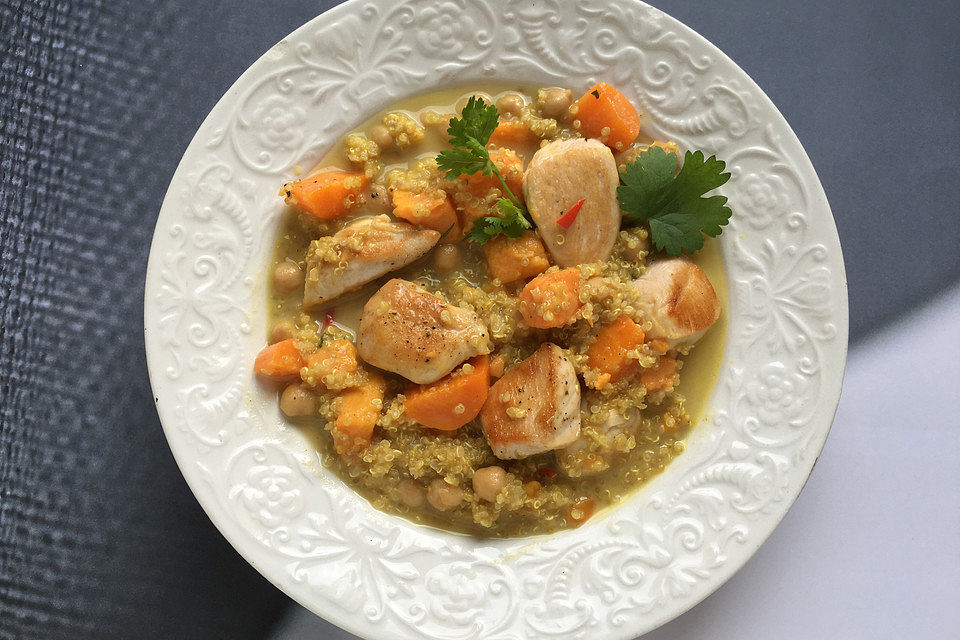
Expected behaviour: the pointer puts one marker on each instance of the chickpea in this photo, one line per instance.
(297, 400)
(287, 276)
(382, 136)
(282, 330)
(378, 198)
(443, 496)
(446, 257)
(411, 493)
(555, 102)
(510, 104)
(488, 482)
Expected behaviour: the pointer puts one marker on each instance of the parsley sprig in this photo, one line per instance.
(512, 223)
(671, 202)
(469, 135)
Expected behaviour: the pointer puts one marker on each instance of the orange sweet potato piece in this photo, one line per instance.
(512, 259)
(604, 108)
(479, 185)
(279, 360)
(336, 355)
(608, 353)
(452, 401)
(511, 168)
(469, 213)
(551, 299)
(359, 412)
(661, 375)
(513, 134)
(430, 211)
(328, 194)
(659, 345)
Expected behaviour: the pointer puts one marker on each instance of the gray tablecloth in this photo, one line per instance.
(99, 535)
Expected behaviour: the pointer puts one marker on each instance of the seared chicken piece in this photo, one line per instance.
(560, 175)
(407, 330)
(577, 460)
(534, 407)
(360, 252)
(683, 304)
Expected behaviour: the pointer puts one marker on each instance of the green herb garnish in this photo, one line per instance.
(449, 229)
(469, 135)
(671, 202)
(511, 224)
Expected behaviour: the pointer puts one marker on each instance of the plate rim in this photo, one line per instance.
(236, 536)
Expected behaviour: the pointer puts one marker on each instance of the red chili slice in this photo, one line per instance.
(328, 319)
(546, 473)
(567, 219)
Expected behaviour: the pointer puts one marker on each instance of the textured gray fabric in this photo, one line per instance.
(99, 536)
(872, 90)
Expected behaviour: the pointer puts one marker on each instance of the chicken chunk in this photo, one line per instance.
(534, 407)
(682, 302)
(360, 252)
(408, 330)
(560, 175)
(577, 459)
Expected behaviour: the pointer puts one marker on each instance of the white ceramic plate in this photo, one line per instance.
(624, 572)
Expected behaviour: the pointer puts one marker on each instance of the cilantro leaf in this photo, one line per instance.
(512, 223)
(671, 204)
(456, 162)
(509, 209)
(477, 121)
(468, 136)
(646, 181)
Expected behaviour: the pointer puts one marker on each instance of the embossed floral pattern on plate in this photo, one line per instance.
(627, 570)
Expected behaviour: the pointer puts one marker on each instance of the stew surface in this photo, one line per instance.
(502, 388)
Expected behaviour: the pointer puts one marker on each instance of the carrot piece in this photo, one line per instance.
(328, 194)
(334, 356)
(452, 401)
(430, 211)
(608, 353)
(604, 108)
(512, 259)
(661, 375)
(513, 134)
(551, 299)
(279, 360)
(511, 168)
(359, 411)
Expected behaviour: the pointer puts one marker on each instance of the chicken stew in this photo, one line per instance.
(468, 326)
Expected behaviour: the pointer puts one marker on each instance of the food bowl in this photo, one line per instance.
(625, 571)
